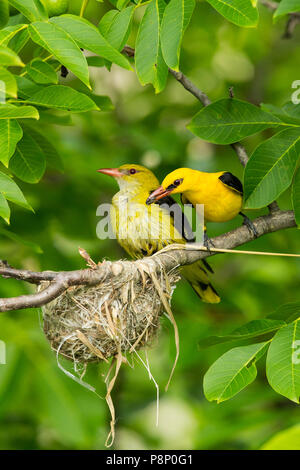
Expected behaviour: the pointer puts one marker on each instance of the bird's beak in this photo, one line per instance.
(159, 193)
(114, 172)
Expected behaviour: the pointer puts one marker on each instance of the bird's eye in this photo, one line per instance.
(132, 171)
(177, 182)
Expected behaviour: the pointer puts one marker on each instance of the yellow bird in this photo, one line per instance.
(221, 194)
(143, 230)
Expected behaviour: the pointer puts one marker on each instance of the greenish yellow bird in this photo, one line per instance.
(142, 230)
(221, 193)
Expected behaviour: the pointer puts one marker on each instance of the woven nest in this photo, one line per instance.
(119, 315)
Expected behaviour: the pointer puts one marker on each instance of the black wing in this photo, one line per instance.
(184, 200)
(232, 181)
(180, 221)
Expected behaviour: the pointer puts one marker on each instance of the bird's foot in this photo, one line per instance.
(90, 263)
(207, 242)
(249, 224)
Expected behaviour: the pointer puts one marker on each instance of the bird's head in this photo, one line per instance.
(131, 176)
(175, 182)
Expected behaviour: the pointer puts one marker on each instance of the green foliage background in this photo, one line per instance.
(42, 408)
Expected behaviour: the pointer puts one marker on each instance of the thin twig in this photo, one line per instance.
(200, 247)
(292, 22)
(204, 99)
(269, 4)
(290, 26)
(189, 86)
(83, 7)
(201, 96)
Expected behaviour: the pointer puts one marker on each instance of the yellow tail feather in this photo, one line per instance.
(197, 276)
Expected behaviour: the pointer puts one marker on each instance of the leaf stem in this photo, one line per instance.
(140, 4)
(83, 7)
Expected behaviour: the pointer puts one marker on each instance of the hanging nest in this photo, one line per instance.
(119, 315)
(116, 317)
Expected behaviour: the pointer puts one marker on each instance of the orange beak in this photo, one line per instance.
(159, 193)
(114, 172)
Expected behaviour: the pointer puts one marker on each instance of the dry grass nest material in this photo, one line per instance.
(90, 324)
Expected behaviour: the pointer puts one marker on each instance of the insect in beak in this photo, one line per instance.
(159, 193)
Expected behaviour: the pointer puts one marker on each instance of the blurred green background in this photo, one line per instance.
(40, 407)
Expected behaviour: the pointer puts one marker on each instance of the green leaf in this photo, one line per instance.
(28, 163)
(8, 111)
(26, 87)
(283, 361)
(175, 20)
(32, 9)
(16, 238)
(103, 102)
(150, 65)
(59, 43)
(95, 61)
(296, 197)
(117, 30)
(251, 330)
(239, 12)
(8, 33)
(9, 58)
(88, 37)
(284, 113)
(106, 21)
(4, 13)
(19, 40)
(56, 117)
(287, 6)
(229, 120)
(270, 168)
(8, 84)
(122, 4)
(41, 72)
(289, 439)
(62, 97)
(11, 191)
(4, 209)
(10, 134)
(287, 312)
(232, 372)
(53, 159)
(292, 110)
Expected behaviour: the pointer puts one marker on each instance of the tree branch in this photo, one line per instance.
(169, 260)
(266, 224)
